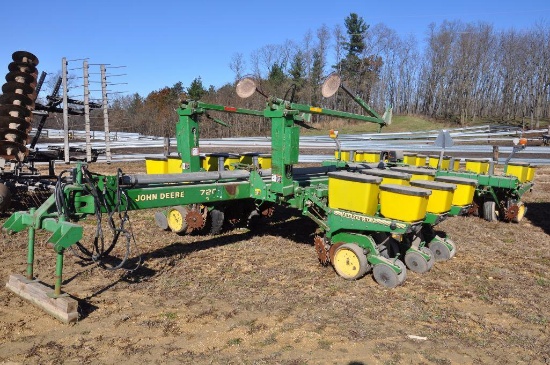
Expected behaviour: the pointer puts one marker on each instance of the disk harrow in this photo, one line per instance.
(363, 226)
(16, 105)
(22, 186)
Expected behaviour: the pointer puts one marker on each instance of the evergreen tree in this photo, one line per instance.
(196, 90)
(276, 75)
(360, 71)
(276, 79)
(176, 91)
(297, 74)
(356, 29)
(351, 67)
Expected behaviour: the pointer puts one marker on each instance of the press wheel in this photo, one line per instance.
(440, 250)
(350, 262)
(385, 276)
(416, 262)
(490, 211)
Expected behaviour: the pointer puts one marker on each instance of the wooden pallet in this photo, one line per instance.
(63, 308)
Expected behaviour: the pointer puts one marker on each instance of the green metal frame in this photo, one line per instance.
(497, 188)
(188, 131)
(80, 195)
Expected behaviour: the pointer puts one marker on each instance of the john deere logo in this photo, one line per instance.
(367, 219)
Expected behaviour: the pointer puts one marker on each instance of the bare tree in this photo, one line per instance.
(465, 72)
(238, 65)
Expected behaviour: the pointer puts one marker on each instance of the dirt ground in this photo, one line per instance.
(261, 297)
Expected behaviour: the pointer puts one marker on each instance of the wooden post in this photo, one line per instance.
(166, 146)
(65, 110)
(87, 113)
(495, 153)
(105, 114)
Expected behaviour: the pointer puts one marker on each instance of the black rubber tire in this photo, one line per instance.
(490, 211)
(253, 220)
(216, 221)
(385, 276)
(416, 262)
(5, 197)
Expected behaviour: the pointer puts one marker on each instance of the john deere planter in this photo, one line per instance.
(364, 225)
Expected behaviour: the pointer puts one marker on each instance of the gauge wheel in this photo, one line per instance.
(161, 220)
(350, 262)
(385, 276)
(416, 262)
(490, 211)
(176, 219)
(440, 250)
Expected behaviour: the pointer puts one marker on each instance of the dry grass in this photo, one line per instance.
(262, 298)
(400, 123)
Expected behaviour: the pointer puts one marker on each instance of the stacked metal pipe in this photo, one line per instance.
(16, 105)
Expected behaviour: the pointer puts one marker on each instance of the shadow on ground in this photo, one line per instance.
(539, 215)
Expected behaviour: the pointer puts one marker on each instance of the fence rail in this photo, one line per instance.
(472, 140)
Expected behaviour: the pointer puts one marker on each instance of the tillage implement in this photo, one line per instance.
(22, 185)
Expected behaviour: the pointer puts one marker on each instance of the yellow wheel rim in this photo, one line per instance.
(175, 220)
(521, 213)
(346, 263)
